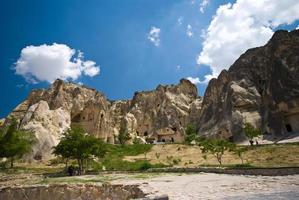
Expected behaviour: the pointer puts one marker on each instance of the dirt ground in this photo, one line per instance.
(191, 156)
(179, 186)
(219, 186)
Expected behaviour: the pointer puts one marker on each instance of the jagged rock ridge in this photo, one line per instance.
(261, 88)
(159, 115)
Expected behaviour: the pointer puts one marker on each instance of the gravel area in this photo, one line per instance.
(219, 186)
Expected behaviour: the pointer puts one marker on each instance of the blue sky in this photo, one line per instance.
(114, 35)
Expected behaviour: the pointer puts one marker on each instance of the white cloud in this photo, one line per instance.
(154, 36)
(178, 67)
(189, 31)
(240, 26)
(180, 20)
(297, 27)
(195, 81)
(203, 5)
(49, 62)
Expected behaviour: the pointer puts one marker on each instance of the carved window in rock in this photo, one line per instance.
(174, 129)
(76, 118)
(145, 133)
(289, 127)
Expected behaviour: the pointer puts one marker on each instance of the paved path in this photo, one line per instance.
(220, 186)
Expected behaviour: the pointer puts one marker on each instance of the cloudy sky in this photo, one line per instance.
(119, 47)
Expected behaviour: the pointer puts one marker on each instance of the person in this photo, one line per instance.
(256, 143)
(251, 142)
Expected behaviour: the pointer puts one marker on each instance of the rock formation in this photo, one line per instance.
(261, 88)
(158, 115)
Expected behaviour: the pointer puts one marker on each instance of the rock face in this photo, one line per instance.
(261, 88)
(78, 192)
(158, 115)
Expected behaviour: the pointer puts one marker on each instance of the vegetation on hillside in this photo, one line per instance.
(190, 133)
(75, 144)
(14, 143)
(251, 132)
(216, 147)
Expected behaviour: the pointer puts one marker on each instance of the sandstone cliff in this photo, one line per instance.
(159, 115)
(261, 88)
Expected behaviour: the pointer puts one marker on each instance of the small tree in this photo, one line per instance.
(216, 147)
(14, 142)
(239, 152)
(190, 133)
(123, 135)
(251, 132)
(77, 145)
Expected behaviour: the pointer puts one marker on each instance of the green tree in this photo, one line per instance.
(239, 152)
(75, 144)
(251, 132)
(216, 147)
(190, 133)
(123, 135)
(14, 143)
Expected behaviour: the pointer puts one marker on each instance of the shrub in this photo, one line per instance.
(191, 133)
(77, 145)
(14, 142)
(251, 132)
(216, 147)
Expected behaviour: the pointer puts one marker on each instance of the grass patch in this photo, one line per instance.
(113, 160)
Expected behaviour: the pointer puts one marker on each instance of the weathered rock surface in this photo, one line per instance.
(160, 115)
(261, 87)
(78, 192)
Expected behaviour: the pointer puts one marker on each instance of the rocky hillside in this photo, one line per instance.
(261, 88)
(159, 115)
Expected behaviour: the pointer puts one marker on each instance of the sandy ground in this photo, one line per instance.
(219, 186)
(192, 156)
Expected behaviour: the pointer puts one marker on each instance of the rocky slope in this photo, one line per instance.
(158, 115)
(261, 88)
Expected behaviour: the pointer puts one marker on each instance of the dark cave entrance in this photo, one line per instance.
(289, 128)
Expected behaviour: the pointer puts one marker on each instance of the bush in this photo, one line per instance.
(113, 160)
(14, 142)
(216, 147)
(75, 144)
(190, 133)
(251, 132)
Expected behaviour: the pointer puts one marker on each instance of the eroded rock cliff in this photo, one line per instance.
(159, 115)
(261, 87)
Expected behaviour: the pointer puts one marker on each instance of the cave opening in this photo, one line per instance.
(289, 127)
